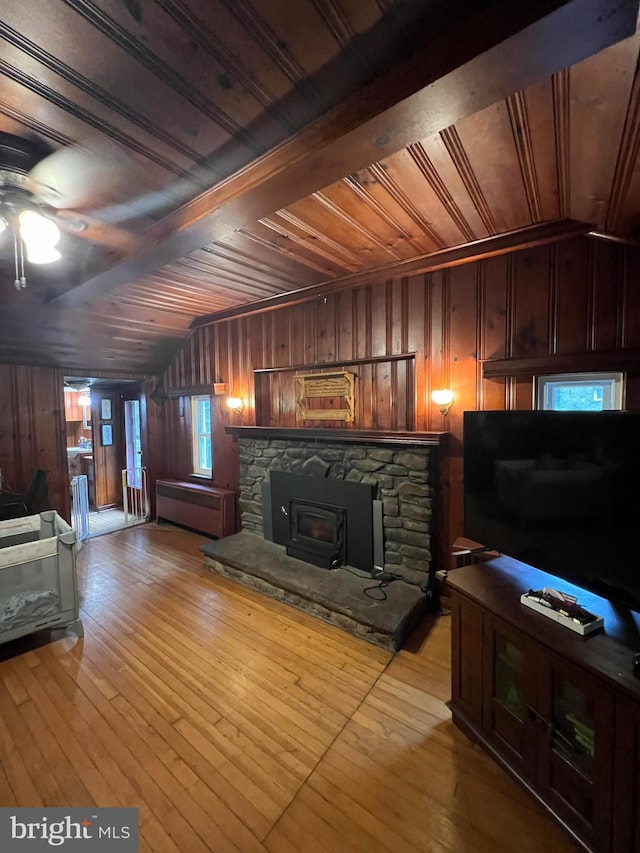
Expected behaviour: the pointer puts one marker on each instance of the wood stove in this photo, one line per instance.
(317, 533)
(326, 522)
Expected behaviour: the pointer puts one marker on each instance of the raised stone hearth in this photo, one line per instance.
(336, 596)
(402, 473)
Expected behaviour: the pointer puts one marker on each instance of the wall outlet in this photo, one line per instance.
(441, 575)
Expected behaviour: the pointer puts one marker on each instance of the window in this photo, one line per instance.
(201, 430)
(133, 443)
(585, 392)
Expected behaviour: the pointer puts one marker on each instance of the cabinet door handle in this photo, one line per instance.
(535, 717)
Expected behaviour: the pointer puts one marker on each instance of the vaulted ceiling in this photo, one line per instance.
(211, 154)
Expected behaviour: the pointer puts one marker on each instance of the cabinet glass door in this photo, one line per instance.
(508, 676)
(573, 725)
(507, 697)
(575, 766)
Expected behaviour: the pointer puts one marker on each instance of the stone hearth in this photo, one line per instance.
(335, 596)
(403, 471)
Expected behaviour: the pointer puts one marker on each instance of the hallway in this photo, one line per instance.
(107, 521)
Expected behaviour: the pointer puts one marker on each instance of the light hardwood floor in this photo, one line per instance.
(235, 723)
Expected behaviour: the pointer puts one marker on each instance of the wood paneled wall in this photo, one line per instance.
(33, 430)
(576, 297)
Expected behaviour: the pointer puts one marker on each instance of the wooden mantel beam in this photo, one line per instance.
(490, 52)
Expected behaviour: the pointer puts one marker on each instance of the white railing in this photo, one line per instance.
(80, 506)
(135, 496)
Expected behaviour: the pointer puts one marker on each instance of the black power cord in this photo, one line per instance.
(383, 579)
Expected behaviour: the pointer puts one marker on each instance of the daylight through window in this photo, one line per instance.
(584, 392)
(201, 427)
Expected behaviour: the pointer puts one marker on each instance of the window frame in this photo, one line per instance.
(197, 434)
(616, 379)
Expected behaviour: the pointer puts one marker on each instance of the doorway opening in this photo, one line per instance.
(104, 435)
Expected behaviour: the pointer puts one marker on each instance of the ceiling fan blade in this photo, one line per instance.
(150, 205)
(85, 176)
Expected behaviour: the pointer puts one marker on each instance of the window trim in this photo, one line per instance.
(196, 436)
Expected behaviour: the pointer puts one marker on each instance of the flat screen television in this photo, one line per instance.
(559, 491)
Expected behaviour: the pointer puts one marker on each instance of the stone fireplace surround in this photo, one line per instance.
(402, 467)
(403, 470)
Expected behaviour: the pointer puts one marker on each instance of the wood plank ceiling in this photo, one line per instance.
(240, 151)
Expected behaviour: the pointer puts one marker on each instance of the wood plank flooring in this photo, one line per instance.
(109, 520)
(235, 723)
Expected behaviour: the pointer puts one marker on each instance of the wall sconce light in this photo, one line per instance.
(235, 404)
(443, 398)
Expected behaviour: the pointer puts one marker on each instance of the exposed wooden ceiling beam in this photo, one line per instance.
(488, 247)
(90, 228)
(486, 56)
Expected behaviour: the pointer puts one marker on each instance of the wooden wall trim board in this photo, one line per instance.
(488, 247)
(343, 363)
(416, 439)
(189, 391)
(614, 360)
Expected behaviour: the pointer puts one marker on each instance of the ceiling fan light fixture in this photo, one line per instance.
(33, 234)
(37, 230)
(42, 254)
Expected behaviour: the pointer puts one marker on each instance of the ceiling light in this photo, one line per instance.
(71, 384)
(37, 229)
(42, 254)
(33, 234)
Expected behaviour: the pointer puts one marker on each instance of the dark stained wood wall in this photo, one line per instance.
(562, 303)
(33, 433)
(33, 430)
(573, 304)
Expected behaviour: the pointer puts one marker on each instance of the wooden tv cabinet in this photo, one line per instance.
(559, 711)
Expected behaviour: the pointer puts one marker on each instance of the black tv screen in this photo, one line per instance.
(559, 491)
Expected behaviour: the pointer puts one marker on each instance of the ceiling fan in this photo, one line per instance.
(41, 192)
